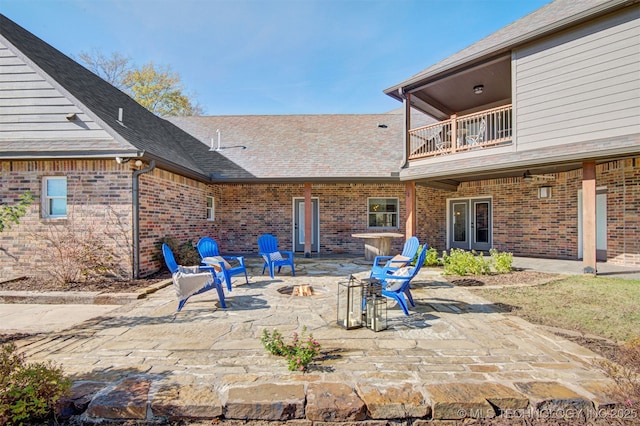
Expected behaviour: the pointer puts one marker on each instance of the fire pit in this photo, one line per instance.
(301, 290)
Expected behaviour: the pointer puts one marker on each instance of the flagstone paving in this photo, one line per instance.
(455, 356)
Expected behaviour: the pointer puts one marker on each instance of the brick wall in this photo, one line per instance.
(99, 209)
(545, 227)
(171, 206)
(245, 211)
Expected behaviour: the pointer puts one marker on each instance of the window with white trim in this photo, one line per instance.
(210, 209)
(383, 212)
(54, 197)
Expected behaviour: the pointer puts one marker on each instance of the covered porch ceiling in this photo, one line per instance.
(452, 92)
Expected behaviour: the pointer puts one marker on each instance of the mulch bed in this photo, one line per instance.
(103, 284)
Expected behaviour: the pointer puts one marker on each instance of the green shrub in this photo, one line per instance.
(461, 262)
(502, 261)
(432, 257)
(28, 391)
(299, 353)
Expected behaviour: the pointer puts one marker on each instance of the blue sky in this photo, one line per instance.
(239, 57)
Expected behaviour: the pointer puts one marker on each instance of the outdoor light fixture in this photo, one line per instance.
(72, 117)
(478, 89)
(528, 177)
(544, 192)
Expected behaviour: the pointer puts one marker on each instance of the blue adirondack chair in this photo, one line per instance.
(208, 248)
(268, 250)
(173, 266)
(381, 264)
(396, 286)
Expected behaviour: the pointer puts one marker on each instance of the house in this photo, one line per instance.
(527, 141)
(111, 179)
(537, 146)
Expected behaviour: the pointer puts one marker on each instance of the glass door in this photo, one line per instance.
(459, 224)
(481, 225)
(470, 225)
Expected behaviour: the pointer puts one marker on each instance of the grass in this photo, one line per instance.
(603, 306)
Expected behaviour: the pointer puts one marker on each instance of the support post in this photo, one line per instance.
(589, 217)
(410, 202)
(406, 101)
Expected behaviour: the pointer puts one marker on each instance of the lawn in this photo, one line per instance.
(603, 306)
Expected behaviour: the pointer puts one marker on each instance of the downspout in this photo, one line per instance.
(136, 217)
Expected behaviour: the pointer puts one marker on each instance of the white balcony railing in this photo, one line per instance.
(478, 130)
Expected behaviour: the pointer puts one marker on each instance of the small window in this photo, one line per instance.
(54, 197)
(383, 213)
(210, 209)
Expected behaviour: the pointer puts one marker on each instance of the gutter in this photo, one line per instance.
(136, 216)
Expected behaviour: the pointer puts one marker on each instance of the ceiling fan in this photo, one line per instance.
(528, 177)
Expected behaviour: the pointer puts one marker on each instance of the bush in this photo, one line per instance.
(502, 261)
(299, 353)
(431, 259)
(460, 262)
(28, 392)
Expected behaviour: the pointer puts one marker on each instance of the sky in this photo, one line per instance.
(272, 57)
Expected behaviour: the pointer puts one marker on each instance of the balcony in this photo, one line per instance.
(484, 129)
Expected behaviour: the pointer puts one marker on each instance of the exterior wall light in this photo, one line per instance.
(478, 89)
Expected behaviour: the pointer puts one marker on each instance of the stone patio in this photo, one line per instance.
(454, 357)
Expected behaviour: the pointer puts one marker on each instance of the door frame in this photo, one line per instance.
(470, 203)
(315, 224)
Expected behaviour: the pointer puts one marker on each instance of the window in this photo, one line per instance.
(54, 197)
(383, 212)
(210, 209)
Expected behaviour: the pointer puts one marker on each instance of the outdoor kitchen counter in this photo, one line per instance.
(377, 243)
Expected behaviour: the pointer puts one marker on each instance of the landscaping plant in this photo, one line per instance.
(28, 391)
(461, 262)
(299, 353)
(502, 261)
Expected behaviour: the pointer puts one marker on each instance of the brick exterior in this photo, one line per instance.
(100, 206)
(530, 226)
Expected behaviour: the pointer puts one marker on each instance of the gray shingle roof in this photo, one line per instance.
(315, 147)
(549, 18)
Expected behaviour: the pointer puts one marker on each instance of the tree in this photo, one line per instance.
(11, 214)
(158, 90)
(112, 69)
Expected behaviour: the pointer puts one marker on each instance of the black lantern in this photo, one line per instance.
(350, 298)
(376, 305)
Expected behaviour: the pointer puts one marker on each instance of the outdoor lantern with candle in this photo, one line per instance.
(350, 303)
(376, 306)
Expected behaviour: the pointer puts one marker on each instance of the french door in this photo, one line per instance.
(470, 224)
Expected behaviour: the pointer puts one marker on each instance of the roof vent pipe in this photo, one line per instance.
(120, 114)
(218, 148)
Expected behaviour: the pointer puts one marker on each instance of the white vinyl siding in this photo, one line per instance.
(580, 85)
(32, 108)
